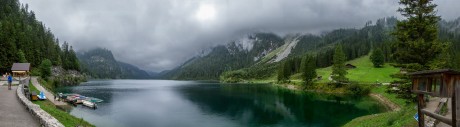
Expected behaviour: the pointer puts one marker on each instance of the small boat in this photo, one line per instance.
(41, 96)
(94, 100)
(76, 99)
(89, 104)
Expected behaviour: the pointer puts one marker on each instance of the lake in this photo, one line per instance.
(168, 103)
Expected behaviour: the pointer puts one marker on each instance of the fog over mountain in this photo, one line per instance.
(161, 34)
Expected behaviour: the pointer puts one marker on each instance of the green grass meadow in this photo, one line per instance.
(365, 72)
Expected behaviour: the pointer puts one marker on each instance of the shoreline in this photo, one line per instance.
(378, 97)
(385, 101)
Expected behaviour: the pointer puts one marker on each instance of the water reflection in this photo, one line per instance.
(260, 105)
(162, 103)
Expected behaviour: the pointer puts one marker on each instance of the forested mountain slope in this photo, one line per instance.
(25, 39)
(235, 55)
(261, 57)
(100, 63)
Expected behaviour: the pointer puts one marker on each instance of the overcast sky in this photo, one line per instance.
(160, 34)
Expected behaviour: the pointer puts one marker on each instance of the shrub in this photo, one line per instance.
(234, 76)
(357, 89)
(35, 72)
(45, 69)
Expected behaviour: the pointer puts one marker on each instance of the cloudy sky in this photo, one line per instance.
(160, 34)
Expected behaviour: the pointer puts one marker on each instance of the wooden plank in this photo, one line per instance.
(455, 107)
(437, 117)
(425, 92)
(421, 116)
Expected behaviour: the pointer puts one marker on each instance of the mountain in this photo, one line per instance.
(100, 63)
(260, 53)
(237, 54)
(257, 56)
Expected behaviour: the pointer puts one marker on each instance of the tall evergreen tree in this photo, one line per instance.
(417, 43)
(74, 64)
(23, 38)
(281, 73)
(287, 69)
(338, 68)
(417, 35)
(377, 58)
(45, 68)
(22, 57)
(308, 69)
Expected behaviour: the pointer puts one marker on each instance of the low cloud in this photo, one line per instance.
(161, 34)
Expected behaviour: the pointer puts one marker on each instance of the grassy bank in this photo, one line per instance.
(65, 118)
(364, 72)
(401, 118)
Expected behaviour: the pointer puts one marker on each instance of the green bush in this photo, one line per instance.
(35, 72)
(358, 89)
(45, 68)
(234, 76)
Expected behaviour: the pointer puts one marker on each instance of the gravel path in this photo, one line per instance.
(48, 94)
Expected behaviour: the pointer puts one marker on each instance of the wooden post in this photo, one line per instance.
(455, 107)
(421, 116)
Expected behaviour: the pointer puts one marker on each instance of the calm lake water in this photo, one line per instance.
(165, 103)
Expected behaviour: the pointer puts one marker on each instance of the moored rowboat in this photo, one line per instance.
(89, 104)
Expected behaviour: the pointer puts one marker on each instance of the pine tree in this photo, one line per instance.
(281, 72)
(417, 35)
(377, 58)
(45, 68)
(417, 42)
(338, 68)
(287, 69)
(308, 69)
(22, 57)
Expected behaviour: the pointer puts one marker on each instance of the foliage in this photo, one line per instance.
(45, 68)
(234, 76)
(377, 58)
(282, 77)
(24, 39)
(417, 35)
(358, 89)
(418, 43)
(35, 72)
(22, 56)
(338, 68)
(444, 59)
(308, 69)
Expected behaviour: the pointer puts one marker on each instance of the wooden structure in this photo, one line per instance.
(33, 96)
(350, 66)
(20, 69)
(443, 83)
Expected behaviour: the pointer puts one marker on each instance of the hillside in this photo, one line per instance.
(99, 63)
(258, 55)
(25, 39)
(364, 72)
(237, 54)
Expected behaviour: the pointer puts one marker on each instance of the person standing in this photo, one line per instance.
(10, 80)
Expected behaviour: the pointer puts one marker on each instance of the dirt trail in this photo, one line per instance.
(388, 103)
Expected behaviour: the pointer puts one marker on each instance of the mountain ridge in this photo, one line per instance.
(100, 63)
